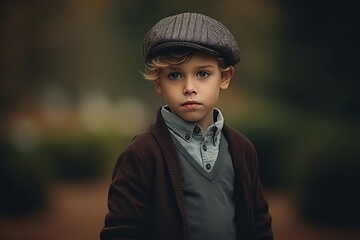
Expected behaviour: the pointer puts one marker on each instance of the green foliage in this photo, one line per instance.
(273, 143)
(23, 186)
(76, 157)
(273, 165)
(27, 176)
(289, 143)
(328, 193)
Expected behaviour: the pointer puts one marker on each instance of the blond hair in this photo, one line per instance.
(154, 66)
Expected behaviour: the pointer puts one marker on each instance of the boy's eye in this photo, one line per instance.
(174, 76)
(203, 74)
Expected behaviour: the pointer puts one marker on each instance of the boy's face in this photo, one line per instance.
(191, 90)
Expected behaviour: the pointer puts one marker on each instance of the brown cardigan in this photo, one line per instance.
(146, 195)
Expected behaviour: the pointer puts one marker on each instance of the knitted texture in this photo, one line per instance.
(192, 30)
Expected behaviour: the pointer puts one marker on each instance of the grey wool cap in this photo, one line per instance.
(192, 30)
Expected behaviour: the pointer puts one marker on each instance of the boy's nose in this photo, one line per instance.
(189, 87)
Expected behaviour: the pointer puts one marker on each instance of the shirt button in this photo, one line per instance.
(208, 166)
(196, 129)
(213, 128)
(187, 136)
(204, 147)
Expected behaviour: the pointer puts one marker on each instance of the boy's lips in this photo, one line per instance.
(191, 104)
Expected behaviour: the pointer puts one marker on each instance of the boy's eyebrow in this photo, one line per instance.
(171, 68)
(197, 66)
(206, 66)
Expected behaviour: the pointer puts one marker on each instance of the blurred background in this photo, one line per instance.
(72, 97)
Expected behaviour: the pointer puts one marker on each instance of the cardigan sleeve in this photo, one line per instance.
(262, 216)
(128, 197)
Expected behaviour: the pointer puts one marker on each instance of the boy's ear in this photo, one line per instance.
(226, 77)
(158, 86)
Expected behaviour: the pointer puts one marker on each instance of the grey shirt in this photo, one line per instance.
(202, 145)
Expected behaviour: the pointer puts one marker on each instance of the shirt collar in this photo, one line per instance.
(189, 130)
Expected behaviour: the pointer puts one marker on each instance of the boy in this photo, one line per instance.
(189, 176)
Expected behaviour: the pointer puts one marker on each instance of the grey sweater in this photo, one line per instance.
(209, 196)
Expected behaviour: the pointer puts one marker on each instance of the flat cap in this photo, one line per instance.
(192, 30)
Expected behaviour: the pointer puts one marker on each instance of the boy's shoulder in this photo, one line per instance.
(150, 139)
(143, 149)
(237, 138)
(143, 140)
(242, 149)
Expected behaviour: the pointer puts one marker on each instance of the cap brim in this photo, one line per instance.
(168, 45)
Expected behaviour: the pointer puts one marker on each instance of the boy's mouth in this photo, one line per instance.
(191, 104)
